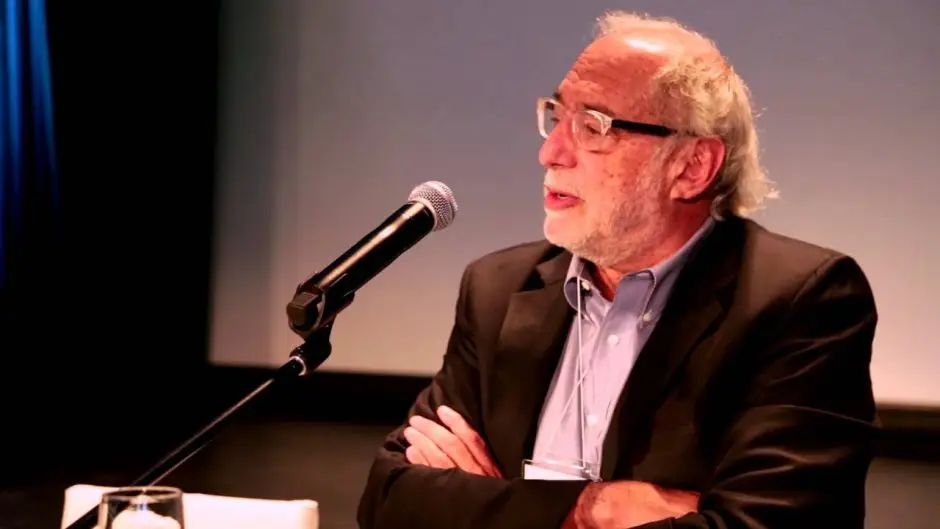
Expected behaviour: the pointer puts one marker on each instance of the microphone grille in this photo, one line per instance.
(439, 199)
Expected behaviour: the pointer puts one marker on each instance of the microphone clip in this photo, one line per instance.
(313, 309)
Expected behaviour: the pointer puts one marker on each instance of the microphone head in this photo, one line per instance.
(439, 199)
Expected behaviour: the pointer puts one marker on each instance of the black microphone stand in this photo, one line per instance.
(304, 359)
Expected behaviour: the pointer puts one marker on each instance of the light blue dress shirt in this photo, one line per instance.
(609, 336)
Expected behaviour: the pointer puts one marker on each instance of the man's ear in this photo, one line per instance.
(703, 158)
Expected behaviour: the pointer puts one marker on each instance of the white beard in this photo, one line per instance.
(613, 228)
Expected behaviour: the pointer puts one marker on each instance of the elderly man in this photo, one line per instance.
(660, 359)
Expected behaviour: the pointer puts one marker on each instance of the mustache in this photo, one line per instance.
(559, 182)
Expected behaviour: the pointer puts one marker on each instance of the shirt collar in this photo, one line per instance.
(662, 276)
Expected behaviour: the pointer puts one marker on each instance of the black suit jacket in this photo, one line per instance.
(754, 390)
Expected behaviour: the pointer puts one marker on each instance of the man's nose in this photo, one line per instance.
(558, 150)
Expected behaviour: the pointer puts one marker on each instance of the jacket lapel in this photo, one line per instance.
(530, 345)
(696, 303)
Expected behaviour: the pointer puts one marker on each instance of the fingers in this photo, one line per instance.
(470, 439)
(425, 451)
(446, 444)
(414, 456)
(454, 444)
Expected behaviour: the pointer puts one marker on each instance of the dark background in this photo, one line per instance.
(109, 308)
(103, 344)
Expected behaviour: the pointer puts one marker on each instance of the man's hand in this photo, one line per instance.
(619, 504)
(459, 446)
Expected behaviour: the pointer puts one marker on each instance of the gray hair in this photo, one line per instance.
(703, 96)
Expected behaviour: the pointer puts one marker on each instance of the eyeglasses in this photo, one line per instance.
(590, 128)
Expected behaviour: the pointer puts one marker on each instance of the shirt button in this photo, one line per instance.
(647, 316)
(613, 339)
(591, 419)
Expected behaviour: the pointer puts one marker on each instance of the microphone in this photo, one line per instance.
(321, 297)
(317, 301)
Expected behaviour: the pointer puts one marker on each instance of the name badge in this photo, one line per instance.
(554, 471)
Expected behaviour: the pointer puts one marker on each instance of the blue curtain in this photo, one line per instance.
(29, 190)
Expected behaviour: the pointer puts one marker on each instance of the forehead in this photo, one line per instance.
(612, 75)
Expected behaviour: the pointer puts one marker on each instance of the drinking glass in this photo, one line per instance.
(154, 507)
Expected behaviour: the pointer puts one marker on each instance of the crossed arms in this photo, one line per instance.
(795, 456)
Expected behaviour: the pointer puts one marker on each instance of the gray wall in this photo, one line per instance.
(332, 111)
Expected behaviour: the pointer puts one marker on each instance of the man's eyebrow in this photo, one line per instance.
(599, 108)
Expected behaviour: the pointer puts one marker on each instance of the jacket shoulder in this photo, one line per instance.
(508, 269)
(792, 263)
(786, 253)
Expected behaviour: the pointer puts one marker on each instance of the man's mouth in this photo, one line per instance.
(557, 199)
(560, 194)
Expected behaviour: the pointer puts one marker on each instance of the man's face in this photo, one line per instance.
(606, 206)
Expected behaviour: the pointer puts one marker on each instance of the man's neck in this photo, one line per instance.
(671, 241)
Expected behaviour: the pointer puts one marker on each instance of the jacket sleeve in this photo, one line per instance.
(399, 494)
(797, 454)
